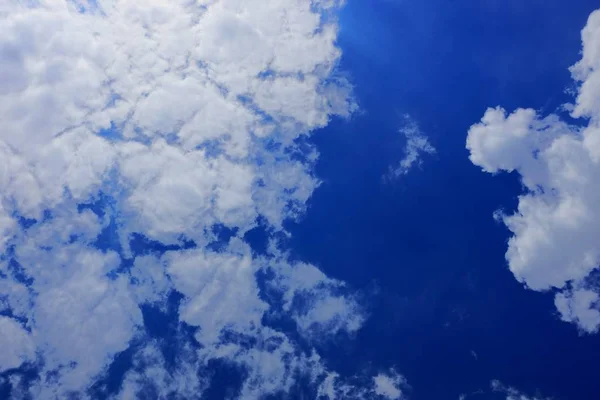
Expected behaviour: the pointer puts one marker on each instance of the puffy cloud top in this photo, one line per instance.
(163, 120)
(556, 226)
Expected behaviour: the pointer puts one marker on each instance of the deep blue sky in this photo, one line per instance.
(425, 249)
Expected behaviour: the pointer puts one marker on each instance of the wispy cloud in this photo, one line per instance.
(417, 145)
(512, 393)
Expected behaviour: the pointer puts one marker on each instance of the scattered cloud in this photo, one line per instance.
(389, 385)
(502, 390)
(315, 302)
(512, 393)
(384, 386)
(557, 223)
(417, 144)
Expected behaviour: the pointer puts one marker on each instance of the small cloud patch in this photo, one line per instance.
(417, 145)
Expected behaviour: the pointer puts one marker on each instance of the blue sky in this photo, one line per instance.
(299, 199)
(427, 242)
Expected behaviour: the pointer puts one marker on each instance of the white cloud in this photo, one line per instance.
(220, 288)
(16, 344)
(80, 317)
(274, 365)
(557, 222)
(151, 374)
(172, 117)
(389, 385)
(579, 306)
(417, 144)
(151, 284)
(324, 307)
(7, 227)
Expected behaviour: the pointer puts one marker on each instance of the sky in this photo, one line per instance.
(299, 199)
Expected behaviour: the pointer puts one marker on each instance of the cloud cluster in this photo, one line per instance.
(556, 226)
(166, 121)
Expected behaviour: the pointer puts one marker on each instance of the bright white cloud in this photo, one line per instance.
(417, 144)
(173, 117)
(556, 226)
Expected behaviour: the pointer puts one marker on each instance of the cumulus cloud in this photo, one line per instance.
(579, 306)
(17, 346)
(417, 145)
(556, 226)
(315, 302)
(389, 385)
(161, 120)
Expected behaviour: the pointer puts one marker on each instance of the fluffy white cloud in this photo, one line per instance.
(220, 288)
(389, 385)
(222, 299)
(16, 344)
(417, 144)
(79, 316)
(579, 306)
(7, 227)
(165, 119)
(52, 77)
(317, 303)
(556, 226)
